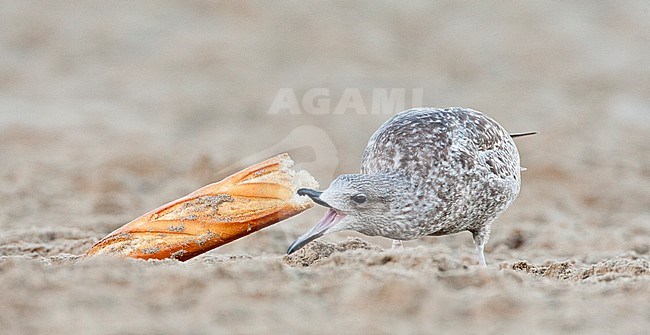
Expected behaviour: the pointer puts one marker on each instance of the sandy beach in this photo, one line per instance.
(111, 109)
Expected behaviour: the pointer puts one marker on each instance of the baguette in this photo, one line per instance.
(216, 214)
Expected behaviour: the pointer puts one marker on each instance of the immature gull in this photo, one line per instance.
(425, 172)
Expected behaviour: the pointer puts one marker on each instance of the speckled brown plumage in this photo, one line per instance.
(426, 171)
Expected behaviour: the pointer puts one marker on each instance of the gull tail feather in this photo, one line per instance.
(528, 133)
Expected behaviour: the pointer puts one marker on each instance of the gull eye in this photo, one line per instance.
(359, 198)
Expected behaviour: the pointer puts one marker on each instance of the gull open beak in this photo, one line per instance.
(331, 218)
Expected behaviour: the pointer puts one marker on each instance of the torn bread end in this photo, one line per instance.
(303, 179)
(300, 179)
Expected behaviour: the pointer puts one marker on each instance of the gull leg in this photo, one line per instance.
(480, 238)
(481, 255)
(397, 245)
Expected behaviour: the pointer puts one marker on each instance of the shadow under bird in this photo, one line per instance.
(425, 172)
